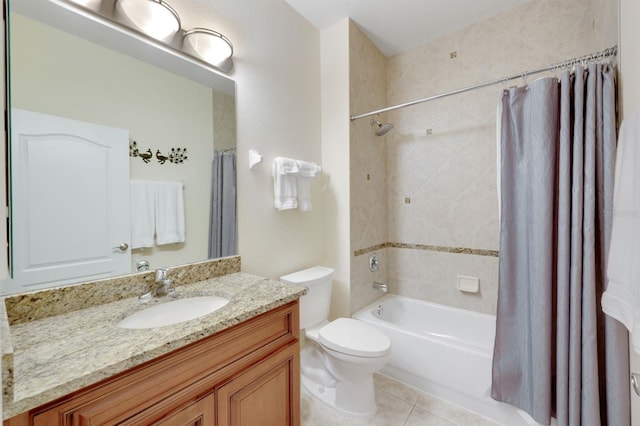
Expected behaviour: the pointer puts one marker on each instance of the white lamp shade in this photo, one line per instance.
(208, 45)
(153, 17)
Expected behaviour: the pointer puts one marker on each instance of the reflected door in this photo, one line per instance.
(70, 217)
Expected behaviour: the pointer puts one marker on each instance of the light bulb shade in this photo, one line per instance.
(209, 45)
(153, 17)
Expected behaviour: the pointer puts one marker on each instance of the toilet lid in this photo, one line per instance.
(353, 337)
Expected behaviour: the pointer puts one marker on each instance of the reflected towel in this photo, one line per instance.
(284, 183)
(303, 180)
(142, 214)
(170, 226)
(621, 300)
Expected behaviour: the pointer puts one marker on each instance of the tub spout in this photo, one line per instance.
(380, 286)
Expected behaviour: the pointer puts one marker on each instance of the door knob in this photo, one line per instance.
(122, 247)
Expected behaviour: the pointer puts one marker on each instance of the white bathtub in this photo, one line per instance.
(443, 351)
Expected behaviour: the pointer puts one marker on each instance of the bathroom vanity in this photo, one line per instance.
(237, 365)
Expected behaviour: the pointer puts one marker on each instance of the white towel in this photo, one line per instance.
(170, 227)
(284, 183)
(303, 180)
(143, 222)
(621, 300)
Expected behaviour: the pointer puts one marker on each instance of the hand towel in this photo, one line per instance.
(303, 180)
(284, 183)
(170, 226)
(621, 300)
(143, 221)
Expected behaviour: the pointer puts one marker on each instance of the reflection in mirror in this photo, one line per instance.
(58, 74)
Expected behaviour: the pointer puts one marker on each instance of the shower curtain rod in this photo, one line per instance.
(612, 51)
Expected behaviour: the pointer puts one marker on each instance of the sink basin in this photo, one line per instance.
(173, 312)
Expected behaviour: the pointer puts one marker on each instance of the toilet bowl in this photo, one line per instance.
(341, 356)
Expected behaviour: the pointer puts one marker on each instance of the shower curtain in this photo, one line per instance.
(556, 353)
(222, 217)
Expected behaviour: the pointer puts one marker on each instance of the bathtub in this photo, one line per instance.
(443, 351)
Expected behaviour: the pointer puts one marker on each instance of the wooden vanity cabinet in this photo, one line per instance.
(246, 375)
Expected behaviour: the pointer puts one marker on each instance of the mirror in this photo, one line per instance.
(57, 73)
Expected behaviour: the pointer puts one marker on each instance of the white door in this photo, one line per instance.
(70, 201)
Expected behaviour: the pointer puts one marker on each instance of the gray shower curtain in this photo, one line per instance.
(556, 353)
(222, 217)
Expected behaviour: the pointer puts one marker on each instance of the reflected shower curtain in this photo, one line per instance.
(222, 217)
(556, 353)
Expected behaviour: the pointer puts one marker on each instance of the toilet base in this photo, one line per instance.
(327, 395)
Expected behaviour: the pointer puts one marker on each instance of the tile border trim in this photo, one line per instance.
(426, 247)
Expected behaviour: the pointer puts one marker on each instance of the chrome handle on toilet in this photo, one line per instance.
(122, 247)
(635, 382)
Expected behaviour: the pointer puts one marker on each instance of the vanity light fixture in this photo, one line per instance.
(153, 17)
(208, 45)
(158, 20)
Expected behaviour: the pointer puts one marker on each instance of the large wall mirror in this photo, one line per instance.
(60, 74)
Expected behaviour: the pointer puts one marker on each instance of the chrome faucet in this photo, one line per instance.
(163, 286)
(380, 286)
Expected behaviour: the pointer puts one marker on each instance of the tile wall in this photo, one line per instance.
(440, 173)
(368, 166)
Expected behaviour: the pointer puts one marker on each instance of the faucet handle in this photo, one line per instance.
(161, 274)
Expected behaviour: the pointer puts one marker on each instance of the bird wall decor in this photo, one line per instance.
(175, 155)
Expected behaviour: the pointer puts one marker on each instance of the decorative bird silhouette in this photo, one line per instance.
(133, 148)
(146, 156)
(161, 158)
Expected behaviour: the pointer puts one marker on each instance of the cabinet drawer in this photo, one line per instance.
(183, 375)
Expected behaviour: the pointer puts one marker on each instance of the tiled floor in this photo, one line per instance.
(398, 405)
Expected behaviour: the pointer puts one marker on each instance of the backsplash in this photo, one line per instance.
(36, 305)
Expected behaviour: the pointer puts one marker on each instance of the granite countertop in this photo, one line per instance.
(54, 356)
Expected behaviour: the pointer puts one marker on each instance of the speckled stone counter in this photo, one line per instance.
(56, 355)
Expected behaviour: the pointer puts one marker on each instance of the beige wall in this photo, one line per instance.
(277, 71)
(629, 55)
(85, 81)
(336, 161)
(449, 176)
(630, 97)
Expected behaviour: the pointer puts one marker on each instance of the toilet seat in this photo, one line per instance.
(353, 337)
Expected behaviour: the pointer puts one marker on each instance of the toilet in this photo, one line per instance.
(339, 357)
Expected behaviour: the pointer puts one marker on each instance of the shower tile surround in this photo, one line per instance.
(441, 155)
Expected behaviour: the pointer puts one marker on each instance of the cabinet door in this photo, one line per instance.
(199, 413)
(266, 394)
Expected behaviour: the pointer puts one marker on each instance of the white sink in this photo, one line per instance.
(173, 312)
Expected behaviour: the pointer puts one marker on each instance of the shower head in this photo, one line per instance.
(382, 128)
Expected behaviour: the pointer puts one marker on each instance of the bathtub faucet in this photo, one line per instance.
(380, 286)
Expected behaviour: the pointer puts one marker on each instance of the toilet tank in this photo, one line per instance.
(314, 306)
